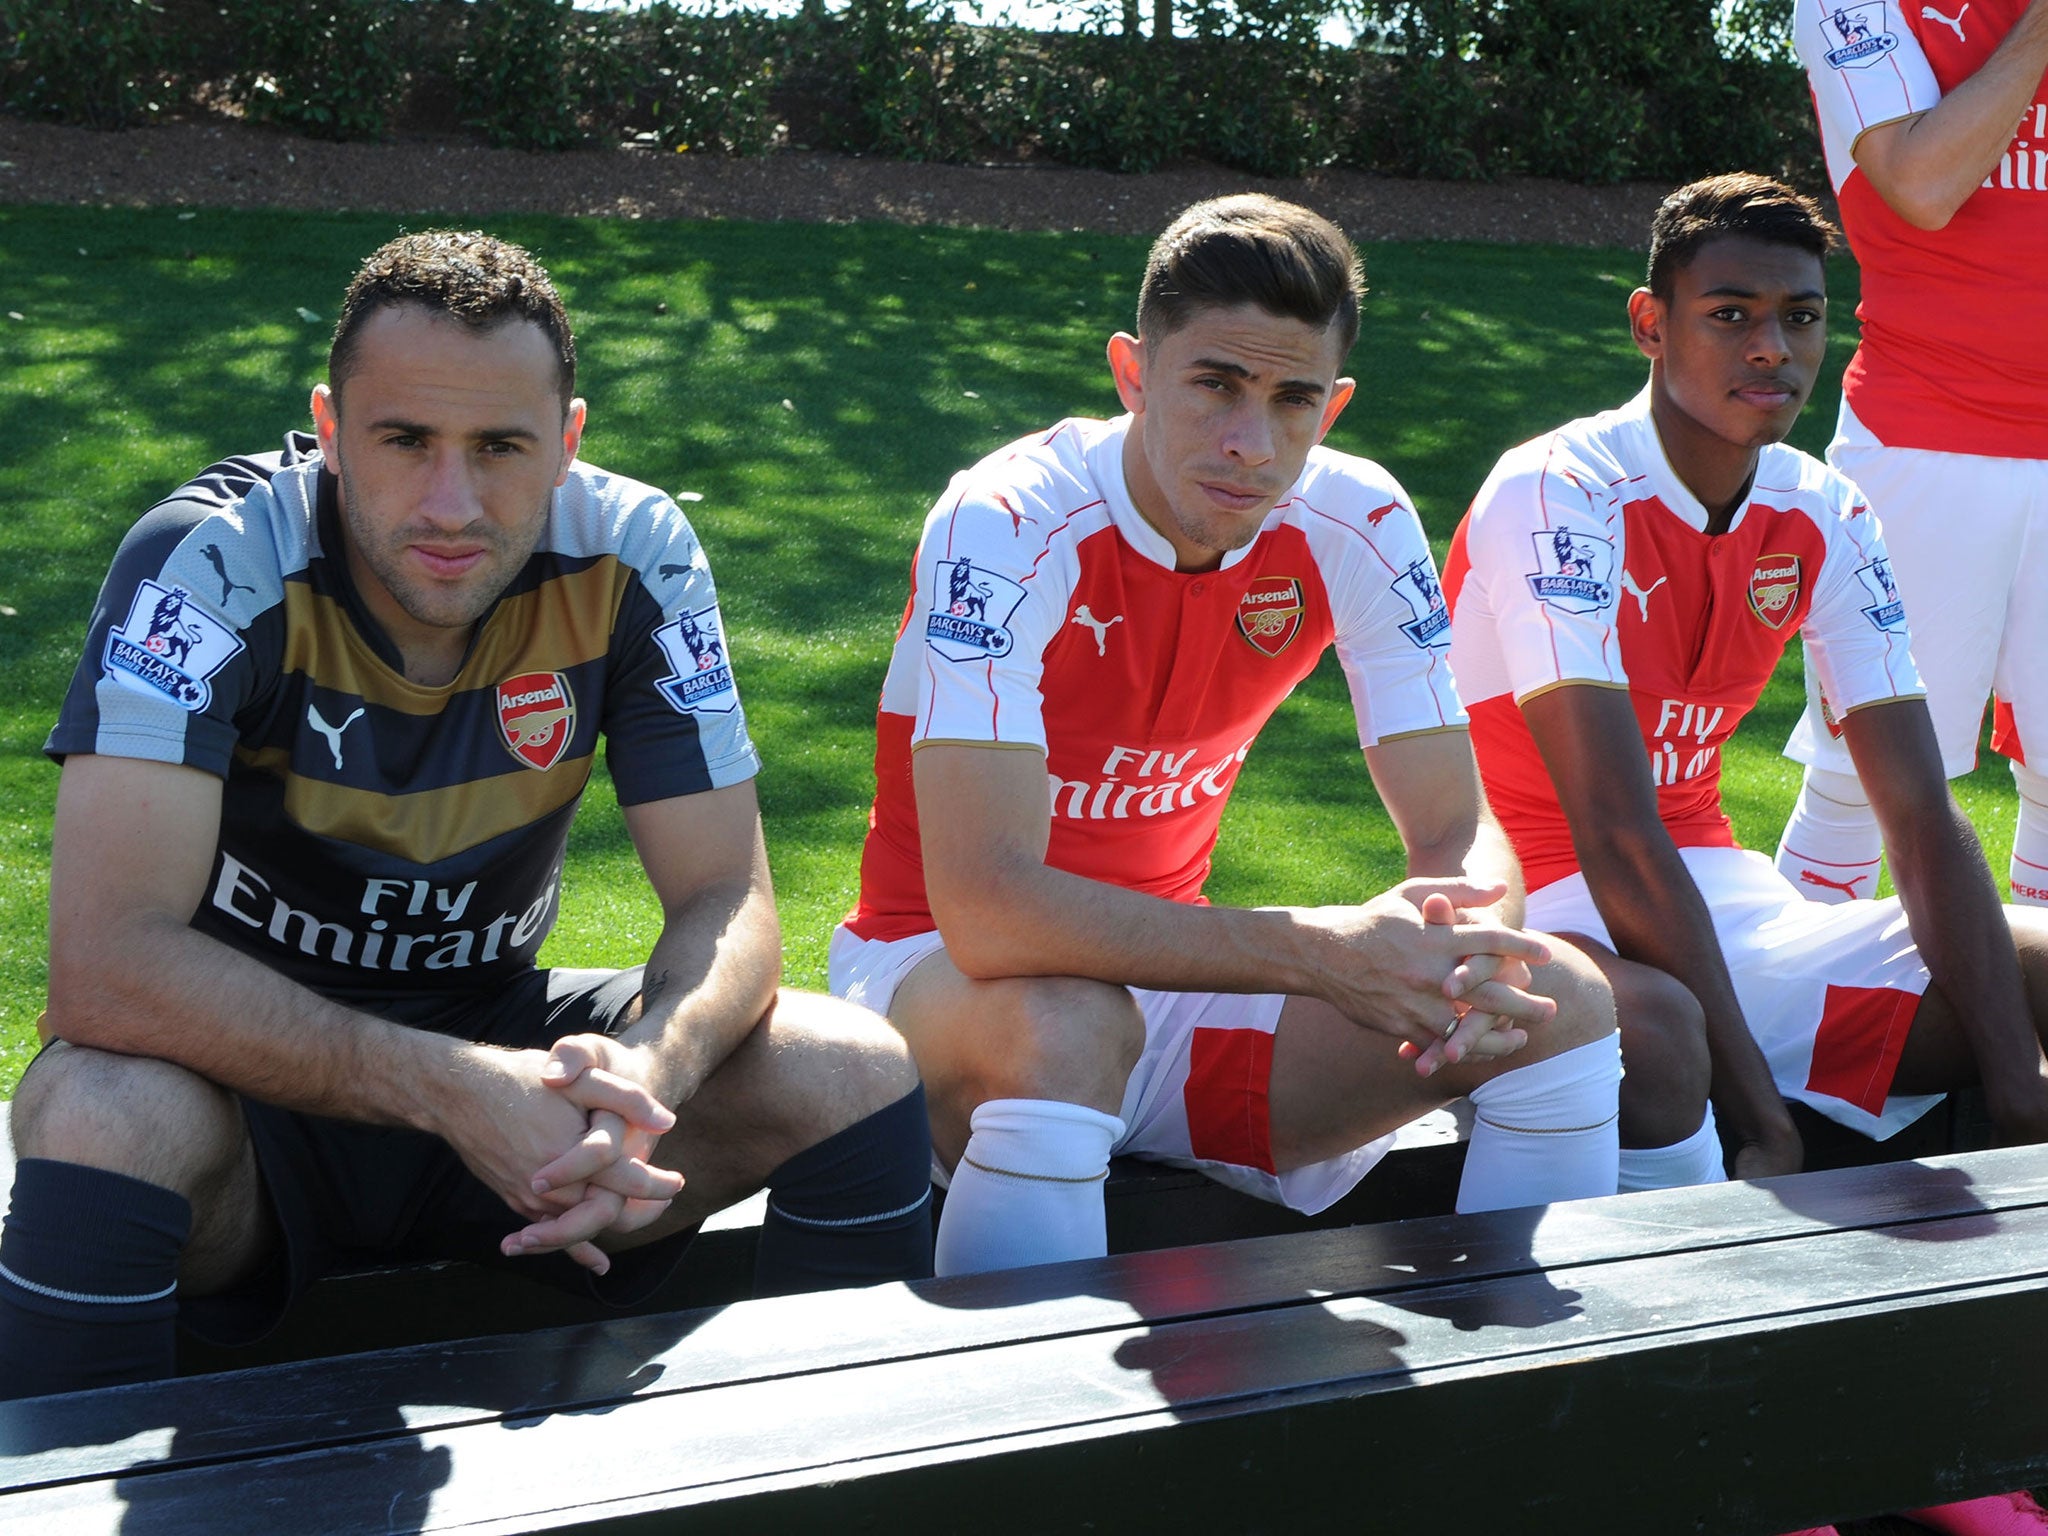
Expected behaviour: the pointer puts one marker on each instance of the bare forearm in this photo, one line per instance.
(710, 977)
(1484, 857)
(1033, 920)
(1656, 916)
(165, 990)
(1927, 167)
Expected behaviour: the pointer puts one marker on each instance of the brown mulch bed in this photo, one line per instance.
(226, 164)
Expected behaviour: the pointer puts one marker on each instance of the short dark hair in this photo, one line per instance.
(1736, 203)
(467, 275)
(1252, 249)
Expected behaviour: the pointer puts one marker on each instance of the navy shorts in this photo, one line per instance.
(346, 1194)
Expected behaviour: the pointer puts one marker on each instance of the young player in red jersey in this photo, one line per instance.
(1935, 122)
(1102, 618)
(1628, 582)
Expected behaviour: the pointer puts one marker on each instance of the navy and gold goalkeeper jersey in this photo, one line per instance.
(380, 838)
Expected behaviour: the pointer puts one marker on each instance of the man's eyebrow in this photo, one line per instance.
(1239, 371)
(485, 435)
(1737, 291)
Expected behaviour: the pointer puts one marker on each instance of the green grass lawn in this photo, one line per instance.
(817, 385)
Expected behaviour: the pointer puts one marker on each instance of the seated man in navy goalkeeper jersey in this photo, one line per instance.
(336, 708)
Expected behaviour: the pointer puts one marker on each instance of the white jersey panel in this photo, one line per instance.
(1392, 630)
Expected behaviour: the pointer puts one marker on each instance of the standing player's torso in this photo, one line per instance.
(1954, 352)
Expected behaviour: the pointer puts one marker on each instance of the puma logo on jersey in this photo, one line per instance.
(1955, 24)
(1100, 627)
(1846, 887)
(1378, 514)
(228, 585)
(1017, 519)
(331, 732)
(1640, 594)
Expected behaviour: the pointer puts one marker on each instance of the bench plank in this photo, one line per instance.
(1596, 1359)
(576, 1367)
(1664, 1321)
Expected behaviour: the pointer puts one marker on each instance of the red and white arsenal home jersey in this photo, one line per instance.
(1046, 613)
(1955, 321)
(1584, 560)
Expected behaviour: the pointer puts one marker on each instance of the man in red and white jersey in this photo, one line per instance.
(1935, 122)
(1629, 582)
(1102, 617)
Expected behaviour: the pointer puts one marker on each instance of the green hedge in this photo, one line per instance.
(1588, 90)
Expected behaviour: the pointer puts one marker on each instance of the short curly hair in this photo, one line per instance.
(1252, 249)
(467, 275)
(1738, 203)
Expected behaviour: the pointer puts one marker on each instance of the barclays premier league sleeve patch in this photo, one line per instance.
(1574, 571)
(1858, 36)
(970, 612)
(168, 648)
(702, 680)
(1885, 611)
(1430, 622)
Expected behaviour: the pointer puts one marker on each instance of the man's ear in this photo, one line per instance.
(1646, 317)
(572, 436)
(1127, 367)
(1340, 396)
(326, 422)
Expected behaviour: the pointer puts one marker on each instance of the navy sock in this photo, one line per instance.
(88, 1279)
(853, 1210)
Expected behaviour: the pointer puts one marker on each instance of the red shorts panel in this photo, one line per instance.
(1856, 1050)
(1229, 1071)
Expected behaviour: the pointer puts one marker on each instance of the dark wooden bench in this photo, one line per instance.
(1149, 1207)
(1738, 1360)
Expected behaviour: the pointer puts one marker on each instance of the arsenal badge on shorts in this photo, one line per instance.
(1774, 588)
(537, 716)
(1269, 613)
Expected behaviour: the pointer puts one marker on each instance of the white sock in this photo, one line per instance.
(1547, 1131)
(1831, 848)
(1029, 1187)
(2028, 876)
(1695, 1160)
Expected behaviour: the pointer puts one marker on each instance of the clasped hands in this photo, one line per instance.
(566, 1138)
(1451, 986)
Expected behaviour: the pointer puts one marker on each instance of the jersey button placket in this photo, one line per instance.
(1193, 665)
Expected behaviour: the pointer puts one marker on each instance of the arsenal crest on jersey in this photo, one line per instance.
(1269, 613)
(537, 717)
(1774, 588)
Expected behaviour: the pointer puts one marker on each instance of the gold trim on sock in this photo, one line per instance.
(1038, 1178)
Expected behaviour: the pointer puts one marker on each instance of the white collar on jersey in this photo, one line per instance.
(1106, 464)
(1647, 450)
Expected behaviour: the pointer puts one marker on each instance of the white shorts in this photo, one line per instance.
(1968, 538)
(1829, 991)
(1198, 1096)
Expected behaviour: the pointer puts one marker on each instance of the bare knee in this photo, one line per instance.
(1585, 1001)
(1050, 1037)
(1664, 1051)
(136, 1115)
(2030, 938)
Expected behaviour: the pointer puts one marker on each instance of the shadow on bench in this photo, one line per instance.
(1737, 1360)
(1148, 1206)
